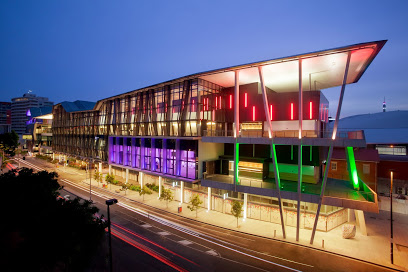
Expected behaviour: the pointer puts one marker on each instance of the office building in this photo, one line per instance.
(5, 117)
(19, 108)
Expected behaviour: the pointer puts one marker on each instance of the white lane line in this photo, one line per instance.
(187, 231)
(185, 242)
(163, 233)
(212, 252)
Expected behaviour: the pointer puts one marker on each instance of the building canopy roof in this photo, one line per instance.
(78, 105)
(39, 111)
(320, 70)
(379, 128)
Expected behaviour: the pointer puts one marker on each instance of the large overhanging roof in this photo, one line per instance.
(320, 70)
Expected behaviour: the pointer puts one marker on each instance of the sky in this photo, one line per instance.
(90, 50)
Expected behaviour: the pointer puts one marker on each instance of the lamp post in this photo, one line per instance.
(109, 203)
(392, 232)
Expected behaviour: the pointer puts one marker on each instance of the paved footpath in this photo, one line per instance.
(373, 248)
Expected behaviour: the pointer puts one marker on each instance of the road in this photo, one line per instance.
(163, 241)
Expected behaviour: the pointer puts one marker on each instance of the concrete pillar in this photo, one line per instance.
(361, 222)
(110, 170)
(53, 156)
(350, 215)
(141, 179)
(100, 168)
(181, 191)
(160, 186)
(209, 199)
(127, 176)
(245, 205)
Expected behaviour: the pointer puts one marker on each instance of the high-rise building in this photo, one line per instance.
(5, 117)
(256, 133)
(20, 107)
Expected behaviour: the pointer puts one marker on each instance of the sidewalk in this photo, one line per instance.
(373, 248)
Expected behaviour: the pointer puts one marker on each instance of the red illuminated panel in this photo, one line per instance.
(220, 102)
(253, 113)
(193, 105)
(246, 100)
(230, 101)
(271, 112)
(216, 103)
(207, 103)
(213, 115)
(310, 110)
(291, 111)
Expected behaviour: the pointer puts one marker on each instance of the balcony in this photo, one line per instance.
(338, 192)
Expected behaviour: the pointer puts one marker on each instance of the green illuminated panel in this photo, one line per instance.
(236, 163)
(352, 167)
(276, 163)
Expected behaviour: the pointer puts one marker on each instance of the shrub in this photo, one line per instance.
(134, 188)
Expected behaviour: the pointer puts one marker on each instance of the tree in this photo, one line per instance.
(48, 232)
(236, 209)
(98, 176)
(9, 142)
(109, 179)
(166, 195)
(145, 191)
(195, 203)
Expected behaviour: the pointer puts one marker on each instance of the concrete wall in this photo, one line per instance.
(398, 205)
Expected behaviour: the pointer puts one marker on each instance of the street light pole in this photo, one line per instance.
(109, 203)
(392, 232)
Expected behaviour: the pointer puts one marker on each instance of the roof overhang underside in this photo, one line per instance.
(320, 70)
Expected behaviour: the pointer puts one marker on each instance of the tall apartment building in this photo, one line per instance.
(5, 117)
(19, 108)
(256, 133)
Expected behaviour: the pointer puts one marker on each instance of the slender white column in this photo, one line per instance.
(141, 179)
(300, 113)
(53, 156)
(181, 191)
(127, 176)
(343, 87)
(209, 199)
(110, 170)
(236, 105)
(160, 186)
(100, 168)
(245, 205)
(265, 102)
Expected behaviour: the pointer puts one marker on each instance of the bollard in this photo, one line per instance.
(274, 234)
(322, 243)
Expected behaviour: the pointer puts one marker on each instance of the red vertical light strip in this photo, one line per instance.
(220, 102)
(253, 113)
(246, 100)
(216, 102)
(193, 101)
(230, 101)
(271, 113)
(207, 103)
(291, 111)
(321, 112)
(213, 115)
(310, 109)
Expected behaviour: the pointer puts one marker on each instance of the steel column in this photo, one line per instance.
(236, 105)
(300, 114)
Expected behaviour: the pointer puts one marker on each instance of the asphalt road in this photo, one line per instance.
(162, 241)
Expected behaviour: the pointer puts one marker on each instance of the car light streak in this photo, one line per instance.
(148, 251)
(153, 243)
(198, 235)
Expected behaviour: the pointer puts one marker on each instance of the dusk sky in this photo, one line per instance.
(90, 50)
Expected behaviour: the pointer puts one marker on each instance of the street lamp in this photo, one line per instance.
(110, 202)
(392, 232)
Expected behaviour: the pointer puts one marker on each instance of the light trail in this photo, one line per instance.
(147, 250)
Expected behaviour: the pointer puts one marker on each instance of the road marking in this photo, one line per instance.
(185, 242)
(146, 226)
(164, 233)
(212, 252)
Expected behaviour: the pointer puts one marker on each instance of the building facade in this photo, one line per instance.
(19, 108)
(38, 131)
(257, 133)
(5, 117)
